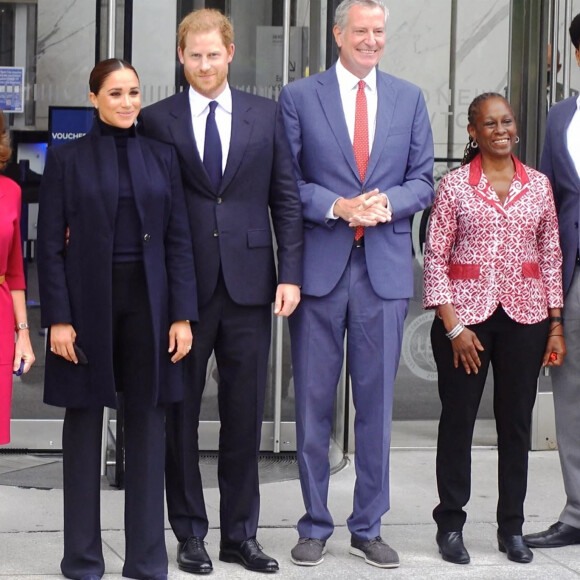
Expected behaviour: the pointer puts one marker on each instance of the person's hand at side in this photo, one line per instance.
(180, 340)
(466, 348)
(287, 299)
(62, 338)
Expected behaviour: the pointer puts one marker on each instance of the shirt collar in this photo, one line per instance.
(476, 171)
(347, 81)
(199, 102)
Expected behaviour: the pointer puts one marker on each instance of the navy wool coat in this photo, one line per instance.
(79, 191)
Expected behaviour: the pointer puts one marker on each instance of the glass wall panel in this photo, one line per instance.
(54, 43)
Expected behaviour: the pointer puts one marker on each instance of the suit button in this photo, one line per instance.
(146, 237)
(219, 200)
(216, 234)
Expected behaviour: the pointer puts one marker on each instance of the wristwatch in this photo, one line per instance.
(22, 326)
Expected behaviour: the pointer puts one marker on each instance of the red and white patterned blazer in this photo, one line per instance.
(480, 253)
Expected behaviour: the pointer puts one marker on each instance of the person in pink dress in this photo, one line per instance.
(14, 353)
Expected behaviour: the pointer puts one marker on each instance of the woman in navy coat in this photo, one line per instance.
(118, 292)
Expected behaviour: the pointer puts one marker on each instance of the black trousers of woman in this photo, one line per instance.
(515, 352)
(145, 552)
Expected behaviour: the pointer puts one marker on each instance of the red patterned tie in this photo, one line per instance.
(361, 142)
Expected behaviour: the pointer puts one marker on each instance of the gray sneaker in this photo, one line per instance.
(308, 552)
(376, 552)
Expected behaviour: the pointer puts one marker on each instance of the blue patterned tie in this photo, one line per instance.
(212, 151)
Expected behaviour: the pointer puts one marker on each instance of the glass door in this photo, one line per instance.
(51, 47)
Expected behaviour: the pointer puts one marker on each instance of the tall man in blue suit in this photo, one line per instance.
(561, 163)
(363, 156)
(237, 171)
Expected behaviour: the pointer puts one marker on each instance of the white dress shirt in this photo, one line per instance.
(348, 87)
(199, 106)
(573, 137)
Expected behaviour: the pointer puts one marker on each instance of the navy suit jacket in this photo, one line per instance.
(400, 165)
(557, 164)
(231, 227)
(80, 191)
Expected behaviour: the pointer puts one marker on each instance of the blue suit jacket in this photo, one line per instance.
(400, 165)
(80, 191)
(557, 164)
(231, 227)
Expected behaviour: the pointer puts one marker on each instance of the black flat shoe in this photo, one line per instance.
(556, 536)
(515, 548)
(451, 547)
(249, 554)
(192, 556)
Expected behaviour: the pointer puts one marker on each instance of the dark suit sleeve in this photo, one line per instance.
(286, 210)
(179, 253)
(52, 225)
(316, 199)
(416, 190)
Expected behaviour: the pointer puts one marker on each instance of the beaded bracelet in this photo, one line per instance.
(455, 332)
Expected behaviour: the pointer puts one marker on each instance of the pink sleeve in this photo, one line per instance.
(15, 269)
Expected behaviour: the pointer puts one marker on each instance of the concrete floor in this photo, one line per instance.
(31, 527)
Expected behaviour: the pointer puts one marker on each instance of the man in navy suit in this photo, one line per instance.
(237, 170)
(561, 163)
(363, 156)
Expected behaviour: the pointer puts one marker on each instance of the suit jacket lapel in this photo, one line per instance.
(330, 102)
(242, 126)
(565, 153)
(102, 166)
(386, 100)
(181, 130)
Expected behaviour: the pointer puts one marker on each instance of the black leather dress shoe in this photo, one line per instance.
(249, 554)
(451, 547)
(515, 548)
(556, 536)
(192, 556)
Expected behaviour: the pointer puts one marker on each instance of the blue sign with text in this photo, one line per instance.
(11, 89)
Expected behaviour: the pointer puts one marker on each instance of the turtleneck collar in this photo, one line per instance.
(111, 131)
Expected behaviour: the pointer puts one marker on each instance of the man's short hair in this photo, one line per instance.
(205, 20)
(341, 13)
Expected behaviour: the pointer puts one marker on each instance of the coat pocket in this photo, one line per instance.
(531, 270)
(464, 271)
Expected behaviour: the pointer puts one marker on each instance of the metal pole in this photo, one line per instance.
(567, 49)
(452, 67)
(554, 33)
(111, 25)
(278, 322)
(286, 43)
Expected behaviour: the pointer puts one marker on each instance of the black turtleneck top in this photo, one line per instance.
(127, 246)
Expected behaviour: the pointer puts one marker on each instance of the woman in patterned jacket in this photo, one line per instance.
(493, 274)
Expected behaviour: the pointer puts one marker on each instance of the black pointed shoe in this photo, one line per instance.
(192, 556)
(451, 547)
(249, 554)
(515, 548)
(556, 536)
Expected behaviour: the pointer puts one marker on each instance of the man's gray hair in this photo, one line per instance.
(341, 14)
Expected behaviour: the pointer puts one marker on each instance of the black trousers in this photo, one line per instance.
(240, 337)
(145, 553)
(515, 352)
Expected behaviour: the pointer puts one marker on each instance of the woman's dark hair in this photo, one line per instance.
(103, 69)
(470, 151)
(5, 150)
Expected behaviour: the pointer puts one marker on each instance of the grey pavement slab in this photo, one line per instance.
(31, 527)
